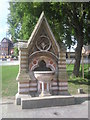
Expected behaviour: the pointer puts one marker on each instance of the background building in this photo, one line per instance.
(6, 47)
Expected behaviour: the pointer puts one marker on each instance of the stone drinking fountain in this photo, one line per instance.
(44, 77)
(42, 68)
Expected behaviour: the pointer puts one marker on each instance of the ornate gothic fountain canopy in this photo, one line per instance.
(42, 38)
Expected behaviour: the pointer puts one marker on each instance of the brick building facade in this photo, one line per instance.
(5, 47)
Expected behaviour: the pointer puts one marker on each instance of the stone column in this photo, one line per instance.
(42, 87)
(48, 87)
(38, 86)
(23, 59)
(23, 76)
(62, 74)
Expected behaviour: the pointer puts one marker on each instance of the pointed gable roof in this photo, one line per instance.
(42, 20)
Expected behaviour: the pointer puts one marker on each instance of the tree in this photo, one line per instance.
(73, 17)
(16, 52)
(67, 20)
(21, 22)
(77, 18)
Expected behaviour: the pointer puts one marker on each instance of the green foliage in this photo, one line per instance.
(65, 19)
(69, 22)
(21, 20)
(16, 52)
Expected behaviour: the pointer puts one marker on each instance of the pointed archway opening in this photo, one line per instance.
(42, 73)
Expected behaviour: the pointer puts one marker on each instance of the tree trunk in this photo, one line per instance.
(78, 52)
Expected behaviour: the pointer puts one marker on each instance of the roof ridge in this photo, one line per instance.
(36, 26)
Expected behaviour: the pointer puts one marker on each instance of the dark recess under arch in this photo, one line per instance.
(42, 66)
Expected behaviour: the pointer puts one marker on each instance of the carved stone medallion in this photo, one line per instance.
(43, 43)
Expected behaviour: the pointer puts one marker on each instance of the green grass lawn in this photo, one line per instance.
(9, 83)
(78, 82)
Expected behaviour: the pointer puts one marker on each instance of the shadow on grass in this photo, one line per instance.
(79, 80)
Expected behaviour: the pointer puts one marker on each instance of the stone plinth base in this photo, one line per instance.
(40, 102)
(18, 98)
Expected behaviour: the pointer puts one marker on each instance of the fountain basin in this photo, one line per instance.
(44, 76)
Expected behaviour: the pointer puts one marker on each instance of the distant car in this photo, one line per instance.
(15, 58)
(4, 59)
(8, 59)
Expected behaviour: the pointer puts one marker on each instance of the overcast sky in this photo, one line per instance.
(4, 5)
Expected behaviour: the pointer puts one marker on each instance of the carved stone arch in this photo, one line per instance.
(43, 54)
(42, 29)
(47, 61)
(50, 59)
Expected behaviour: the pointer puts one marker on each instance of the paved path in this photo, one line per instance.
(9, 63)
(72, 61)
(10, 110)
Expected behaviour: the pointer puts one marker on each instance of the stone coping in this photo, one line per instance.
(81, 95)
(55, 96)
(77, 95)
(44, 72)
(46, 97)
